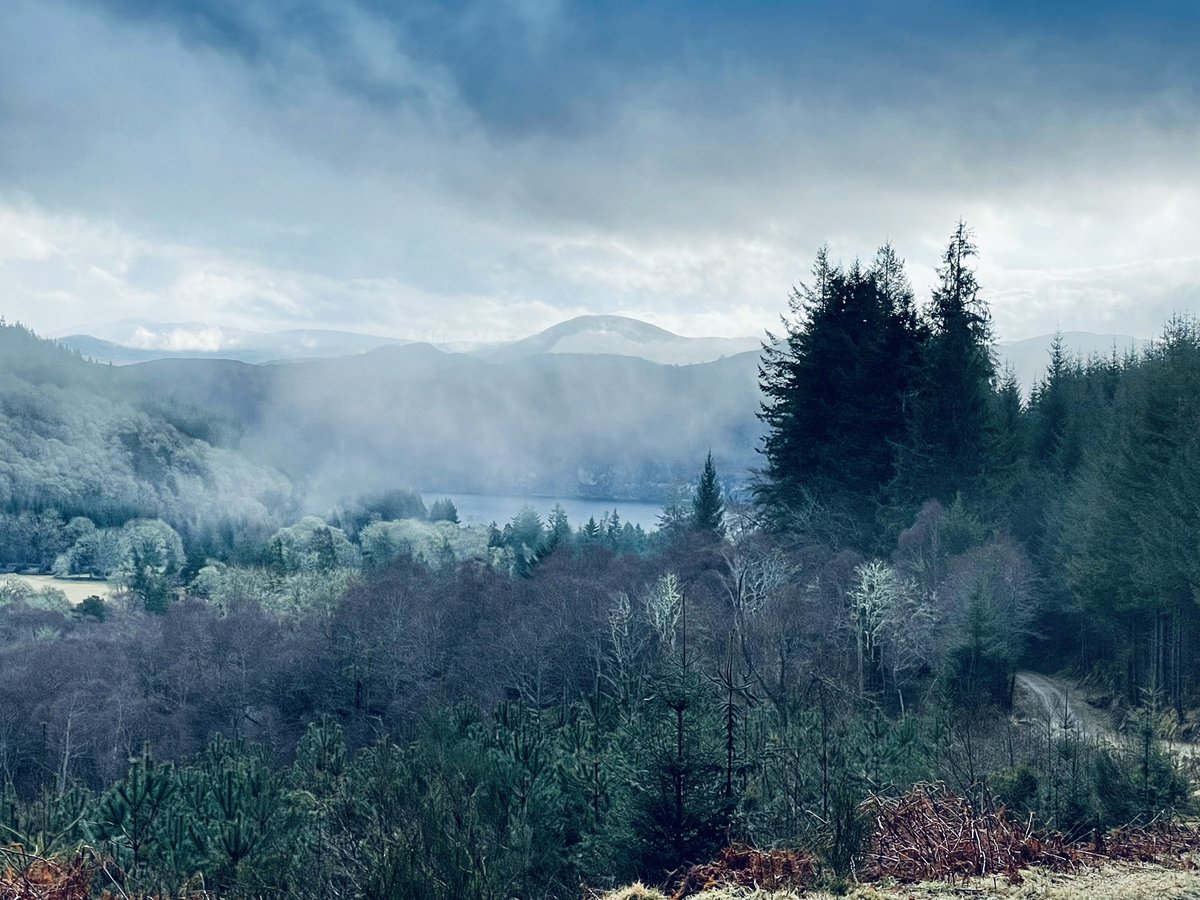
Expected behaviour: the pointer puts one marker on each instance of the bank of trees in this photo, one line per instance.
(465, 731)
(873, 404)
(876, 405)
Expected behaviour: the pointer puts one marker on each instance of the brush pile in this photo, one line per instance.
(1164, 845)
(930, 834)
(31, 878)
(742, 866)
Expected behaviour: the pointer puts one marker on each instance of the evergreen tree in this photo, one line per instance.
(836, 386)
(558, 524)
(590, 532)
(1130, 548)
(708, 505)
(612, 530)
(443, 510)
(525, 537)
(950, 430)
(130, 811)
(322, 545)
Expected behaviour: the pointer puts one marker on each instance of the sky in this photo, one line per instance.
(478, 170)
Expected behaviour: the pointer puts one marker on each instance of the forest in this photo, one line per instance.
(376, 700)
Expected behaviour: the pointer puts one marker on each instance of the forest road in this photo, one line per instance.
(1039, 695)
(1044, 694)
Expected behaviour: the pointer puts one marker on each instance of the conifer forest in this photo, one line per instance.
(934, 575)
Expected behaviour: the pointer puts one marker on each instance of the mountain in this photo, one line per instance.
(1030, 357)
(77, 439)
(620, 336)
(199, 441)
(552, 424)
(528, 418)
(140, 340)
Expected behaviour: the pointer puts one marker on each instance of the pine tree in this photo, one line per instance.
(130, 811)
(708, 505)
(612, 530)
(558, 524)
(526, 539)
(590, 532)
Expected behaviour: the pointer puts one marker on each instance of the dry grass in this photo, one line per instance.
(1113, 882)
(635, 892)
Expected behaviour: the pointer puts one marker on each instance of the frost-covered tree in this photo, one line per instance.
(311, 544)
(97, 552)
(151, 558)
(436, 544)
(894, 626)
(664, 609)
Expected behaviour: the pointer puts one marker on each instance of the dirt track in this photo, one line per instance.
(1040, 695)
(1043, 695)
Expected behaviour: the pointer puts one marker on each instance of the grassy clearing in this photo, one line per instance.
(76, 589)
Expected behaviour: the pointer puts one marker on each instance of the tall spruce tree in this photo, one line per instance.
(949, 439)
(708, 505)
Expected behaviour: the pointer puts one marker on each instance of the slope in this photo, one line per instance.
(554, 424)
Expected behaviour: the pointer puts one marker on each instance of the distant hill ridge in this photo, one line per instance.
(548, 424)
(140, 340)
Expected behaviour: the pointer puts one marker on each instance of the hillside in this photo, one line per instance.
(75, 440)
(183, 438)
(575, 425)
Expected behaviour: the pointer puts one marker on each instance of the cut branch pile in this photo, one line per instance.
(32, 878)
(28, 876)
(742, 866)
(930, 834)
(1164, 845)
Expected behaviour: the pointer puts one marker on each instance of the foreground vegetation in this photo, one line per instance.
(1118, 882)
(380, 702)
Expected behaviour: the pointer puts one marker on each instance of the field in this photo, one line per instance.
(76, 589)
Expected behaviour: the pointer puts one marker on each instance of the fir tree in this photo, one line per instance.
(673, 520)
(949, 434)
(708, 505)
(558, 524)
(837, 384)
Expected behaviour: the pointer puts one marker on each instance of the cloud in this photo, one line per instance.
(1134, 298)
(201, 338)
(487, 169)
